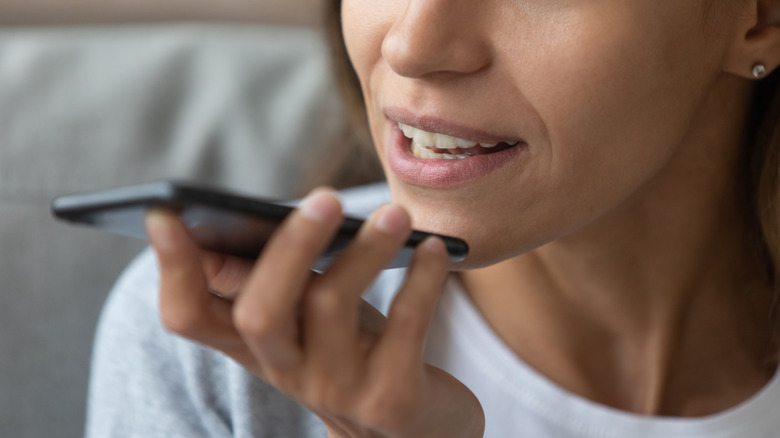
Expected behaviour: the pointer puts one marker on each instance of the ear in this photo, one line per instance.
(757, 40)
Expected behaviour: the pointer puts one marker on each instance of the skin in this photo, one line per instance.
(633, 128)
(613, 233)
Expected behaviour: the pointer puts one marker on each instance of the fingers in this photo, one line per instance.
(302, 332)
(226, 275)
(266, 312)
(332, 307)
(400, 349)
(186, 307)
(373, 248)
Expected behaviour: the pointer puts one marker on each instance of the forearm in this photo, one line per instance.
(44, 12)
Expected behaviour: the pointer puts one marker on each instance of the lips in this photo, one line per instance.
(445, 167)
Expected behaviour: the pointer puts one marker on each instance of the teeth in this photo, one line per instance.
(443, 141)
(423, 138)
(408, 130)
(421, 151)
(465, 144)
(426, 139)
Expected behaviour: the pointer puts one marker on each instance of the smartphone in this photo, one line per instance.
(218, 220)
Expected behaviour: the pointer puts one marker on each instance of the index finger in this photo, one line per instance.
(266, 311)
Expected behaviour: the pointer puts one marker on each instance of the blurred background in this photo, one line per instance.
(95, 94)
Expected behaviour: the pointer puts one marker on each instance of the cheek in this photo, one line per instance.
(495, 229)
(365, 24)
(354, 30)
(601, 84)
(616, 93)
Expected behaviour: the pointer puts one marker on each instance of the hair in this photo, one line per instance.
(762, 166)
(759, 173)
(349, 159)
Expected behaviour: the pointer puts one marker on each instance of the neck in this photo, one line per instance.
(634, 310)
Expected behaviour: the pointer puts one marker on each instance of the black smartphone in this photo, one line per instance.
(218, 220)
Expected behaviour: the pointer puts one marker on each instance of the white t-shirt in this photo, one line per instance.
(518, 401)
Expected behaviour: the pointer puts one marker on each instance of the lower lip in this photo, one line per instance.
(433, 172)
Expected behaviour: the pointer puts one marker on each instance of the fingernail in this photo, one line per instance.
(434, 245)
(159, 230)
(320, 205)
(392, 219)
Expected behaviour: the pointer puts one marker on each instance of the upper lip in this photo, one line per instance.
(439, 125)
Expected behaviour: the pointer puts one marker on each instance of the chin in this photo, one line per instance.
(485, 247)
(491, 238)
(472, 262)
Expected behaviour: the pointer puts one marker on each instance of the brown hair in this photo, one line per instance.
(760, 172)
(349, 159)
(763, 167)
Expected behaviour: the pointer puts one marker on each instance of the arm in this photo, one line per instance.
(44, 12)
(137, 383)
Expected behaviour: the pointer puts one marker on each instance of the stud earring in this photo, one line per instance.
(759, 71)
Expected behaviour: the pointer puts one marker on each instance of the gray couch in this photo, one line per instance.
(95, 107)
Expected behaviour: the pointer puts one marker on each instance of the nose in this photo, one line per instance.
(437, 36)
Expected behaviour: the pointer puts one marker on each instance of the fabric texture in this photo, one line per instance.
(148, 383)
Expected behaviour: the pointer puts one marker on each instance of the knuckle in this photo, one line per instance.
(254, 323)
(325, 304)
(181, 320)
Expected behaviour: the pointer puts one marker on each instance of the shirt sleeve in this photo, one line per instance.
(144, 381)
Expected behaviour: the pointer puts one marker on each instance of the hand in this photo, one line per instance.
(311, 335)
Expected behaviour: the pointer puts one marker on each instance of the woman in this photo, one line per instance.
(613, 167)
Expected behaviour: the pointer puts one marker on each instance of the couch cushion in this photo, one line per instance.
(84, 108)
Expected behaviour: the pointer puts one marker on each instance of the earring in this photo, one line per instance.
(759, 70)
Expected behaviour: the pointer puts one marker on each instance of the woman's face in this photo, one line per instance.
(589, 102)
